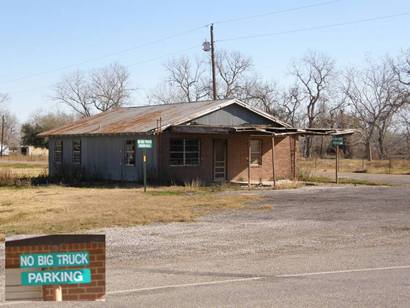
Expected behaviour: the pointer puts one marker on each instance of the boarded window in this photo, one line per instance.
(256, 152)
(184, 152)
(58, 151)
(130, 153)
(76, 152)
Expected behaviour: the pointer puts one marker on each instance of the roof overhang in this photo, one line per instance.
(260, 130)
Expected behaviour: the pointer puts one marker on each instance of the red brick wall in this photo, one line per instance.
(93, 291)
(237, 159)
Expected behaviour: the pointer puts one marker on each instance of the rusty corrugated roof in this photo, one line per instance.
(144, 119)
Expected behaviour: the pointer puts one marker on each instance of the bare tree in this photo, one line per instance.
(185, 82)
(188, 81)
(233, 70)
(109, 87)
(11, 132)
(375, 96)
(401, 68)
(100, 90)
(4, 97)
(74, 91)
(283, 104)
(313, 75)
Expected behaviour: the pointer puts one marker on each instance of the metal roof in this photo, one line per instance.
(144, 119)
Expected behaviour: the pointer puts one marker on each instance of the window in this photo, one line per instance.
(184, 152)
(130, 153)
(58, 151)
(256, 152)
(76, 157)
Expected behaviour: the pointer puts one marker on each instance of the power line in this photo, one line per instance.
(353, 22)
(62, 68)
(105, 56)
(128, 65)
(277, 12)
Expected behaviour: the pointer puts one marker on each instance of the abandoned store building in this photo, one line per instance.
(208, 141)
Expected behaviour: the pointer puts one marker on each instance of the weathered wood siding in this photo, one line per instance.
(103, 157)
(233, 115)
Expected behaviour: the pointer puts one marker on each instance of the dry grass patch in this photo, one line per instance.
(357, 165)
(54, 209)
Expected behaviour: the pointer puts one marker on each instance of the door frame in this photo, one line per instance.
(225, 142)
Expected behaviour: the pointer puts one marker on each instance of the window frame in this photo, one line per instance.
(184, 152)
(127, 152)
(59, 152)
(259, 153)
(74, 151)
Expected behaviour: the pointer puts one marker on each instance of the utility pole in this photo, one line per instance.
(213, 62)
(2, 135)
(210, 46)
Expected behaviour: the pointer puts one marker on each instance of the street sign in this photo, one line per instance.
(56, 277)
(337, 140)
(144, 143)
(55, 259)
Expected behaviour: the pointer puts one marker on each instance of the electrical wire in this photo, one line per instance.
(104, 56)
(127, 65)
(328, 26)
(127, 50)
(277, 12)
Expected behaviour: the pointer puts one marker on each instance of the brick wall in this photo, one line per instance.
(237, 159)
(84, 292)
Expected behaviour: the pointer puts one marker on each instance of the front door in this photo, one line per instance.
(219, 160)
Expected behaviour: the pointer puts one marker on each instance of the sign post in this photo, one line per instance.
(144, 144)
(337, 141)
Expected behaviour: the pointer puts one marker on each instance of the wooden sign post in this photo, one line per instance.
(337, 141)
(144, 144)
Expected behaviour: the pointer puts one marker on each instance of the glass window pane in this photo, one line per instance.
(256, 154)
(176, 159)
(191, 145)
(176, 145)
(130, 152)
(192, 158)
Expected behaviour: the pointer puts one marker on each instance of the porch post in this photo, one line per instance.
(273, 163)
(249, 162)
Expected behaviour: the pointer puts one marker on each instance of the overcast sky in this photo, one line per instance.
(41, 40)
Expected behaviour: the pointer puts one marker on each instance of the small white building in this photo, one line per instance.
(4, 150)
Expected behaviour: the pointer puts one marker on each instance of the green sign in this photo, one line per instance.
(57, 277)
(337, 140)
(56, 259)
(144, 143)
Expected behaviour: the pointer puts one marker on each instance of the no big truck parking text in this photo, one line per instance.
(60, 277)
(57, 259)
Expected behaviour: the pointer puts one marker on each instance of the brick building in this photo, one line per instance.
(93, 244)
(208, 141)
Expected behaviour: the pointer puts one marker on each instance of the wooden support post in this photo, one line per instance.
(337, 164)
(249, 163)
(58, 294)
(273, 163)
(294, 158)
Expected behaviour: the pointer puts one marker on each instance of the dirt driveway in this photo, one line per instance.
(329, 246)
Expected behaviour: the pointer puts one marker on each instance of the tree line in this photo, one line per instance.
(373, 98)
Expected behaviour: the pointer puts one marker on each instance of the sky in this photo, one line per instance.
(41, 41)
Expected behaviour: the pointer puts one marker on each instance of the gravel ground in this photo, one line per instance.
(292, 231)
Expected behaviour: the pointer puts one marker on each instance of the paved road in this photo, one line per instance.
(317, 247)
(391, 179)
